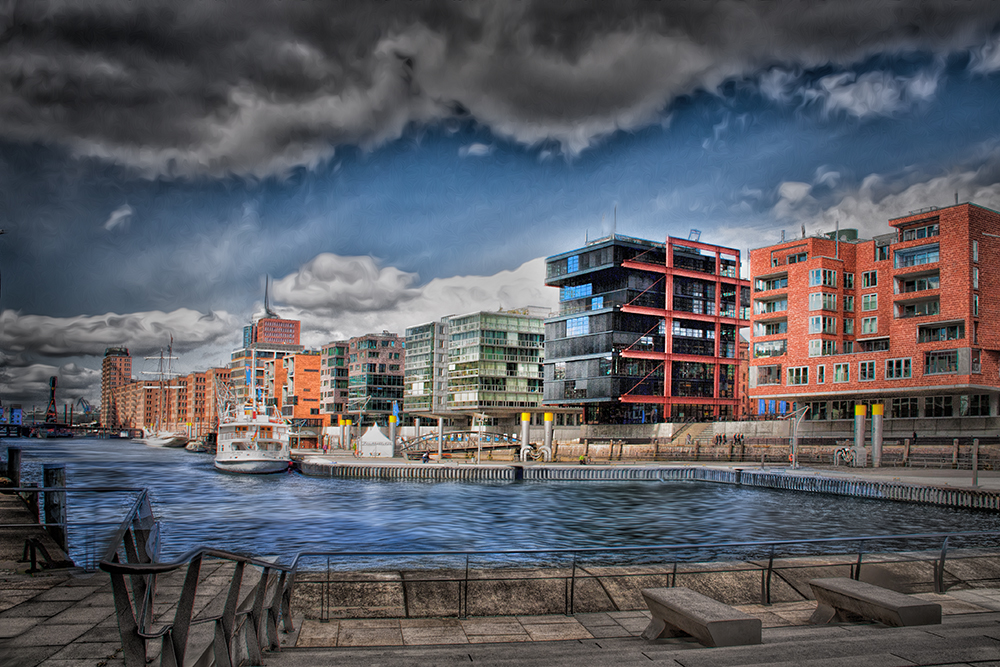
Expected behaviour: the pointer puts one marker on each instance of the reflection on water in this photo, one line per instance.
(285, 513)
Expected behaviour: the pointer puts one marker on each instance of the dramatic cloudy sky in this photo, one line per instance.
(387, 163)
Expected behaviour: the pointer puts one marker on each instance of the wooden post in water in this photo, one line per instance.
(975, 462)
(54, 475)
(14, 465)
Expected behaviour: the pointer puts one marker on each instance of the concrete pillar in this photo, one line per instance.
(54, 474)
(416, 426)
(342, 444)
(14, 465)
(525, 435)
(954, 453)
(547, 443)
(440, 438)
(975, 462)
(860, 453)
(877, 410)
(350, 435)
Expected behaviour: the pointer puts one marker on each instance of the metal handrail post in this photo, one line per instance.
(572, 588)
(939, 568)
(857, 567)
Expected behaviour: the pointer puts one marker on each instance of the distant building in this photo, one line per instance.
(265, 339)
(297, 387)
(116, 371)
(334, 372)
(646, 331)
(901, 320)
(426, 391)
(375, 377)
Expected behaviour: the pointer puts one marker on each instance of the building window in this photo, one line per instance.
(825, 277)
(798, 375)
(976, 405)
(869, 325)
(820, 374)
(975, 251)
(869, 302)
(796, 258)
(572, 264)
(822, 348)
(940, 362)
(822, 301)
(570, 292)
(848, 303)
(767, 328)
(918, 308)
(841, 409)
(975, 305)
(919, 284)
(771, 348)
(765, 285)
(775, 306)
(975, 277)
(920, 232)
(578, 326)
(976, 361)
(597, 303)
(897, 369)
(822, 324)
(929, 334)
(849, 326)
(817, 411)
(866, 371)
(841, 372)
(925, 254)
(881, 253)
(938, 406)
(904, 408)
(848, 281)
(559, 370)
(869, 279)
(768, 375)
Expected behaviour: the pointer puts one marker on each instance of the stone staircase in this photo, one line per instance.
(702, 433)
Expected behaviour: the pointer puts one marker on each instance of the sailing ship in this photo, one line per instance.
(252, 438)
(155, 436)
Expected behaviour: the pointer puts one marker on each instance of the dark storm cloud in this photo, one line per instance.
(184, 88)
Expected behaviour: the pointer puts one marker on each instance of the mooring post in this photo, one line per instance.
(906, 452)
(954, 454)
(14, 465)
(975, 462)
(54, 475)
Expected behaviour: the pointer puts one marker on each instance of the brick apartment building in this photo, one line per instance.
(297, 387)
(116, 371)
(905, 319)
(186, 403)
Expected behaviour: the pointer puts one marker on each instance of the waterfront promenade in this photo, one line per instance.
(66, 618)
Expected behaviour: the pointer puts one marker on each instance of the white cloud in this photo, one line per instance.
(329, 285)
(986, 59)
(119, 218)
(341, 314)
(475, 150)
(90, 335)
(873, 93)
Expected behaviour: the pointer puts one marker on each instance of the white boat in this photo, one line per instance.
(172, 439)
(252, 442)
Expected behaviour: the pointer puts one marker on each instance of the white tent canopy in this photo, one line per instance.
(374, 443)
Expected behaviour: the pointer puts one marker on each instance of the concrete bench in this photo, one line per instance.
(679, 611)
(845, 599)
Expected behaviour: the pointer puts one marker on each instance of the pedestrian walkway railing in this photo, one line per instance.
(246, 625)
(447, 583)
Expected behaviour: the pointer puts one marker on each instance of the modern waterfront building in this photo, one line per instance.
(901, 320)
(334, 373)
(426, 369)
(646, 331)
(375, 378)
(297, 387)
(116, 371)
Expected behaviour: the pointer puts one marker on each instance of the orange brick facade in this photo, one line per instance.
(907, 319)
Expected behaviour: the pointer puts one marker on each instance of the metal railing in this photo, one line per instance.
(241, 632)
(461, 572)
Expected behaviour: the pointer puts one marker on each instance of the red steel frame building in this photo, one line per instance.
(901, 320)
(725, 313)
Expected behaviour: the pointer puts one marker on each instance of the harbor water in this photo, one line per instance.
(281, 514)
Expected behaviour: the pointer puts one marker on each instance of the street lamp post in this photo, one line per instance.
(797, 417)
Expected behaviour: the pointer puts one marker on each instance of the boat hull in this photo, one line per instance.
(248, 466)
